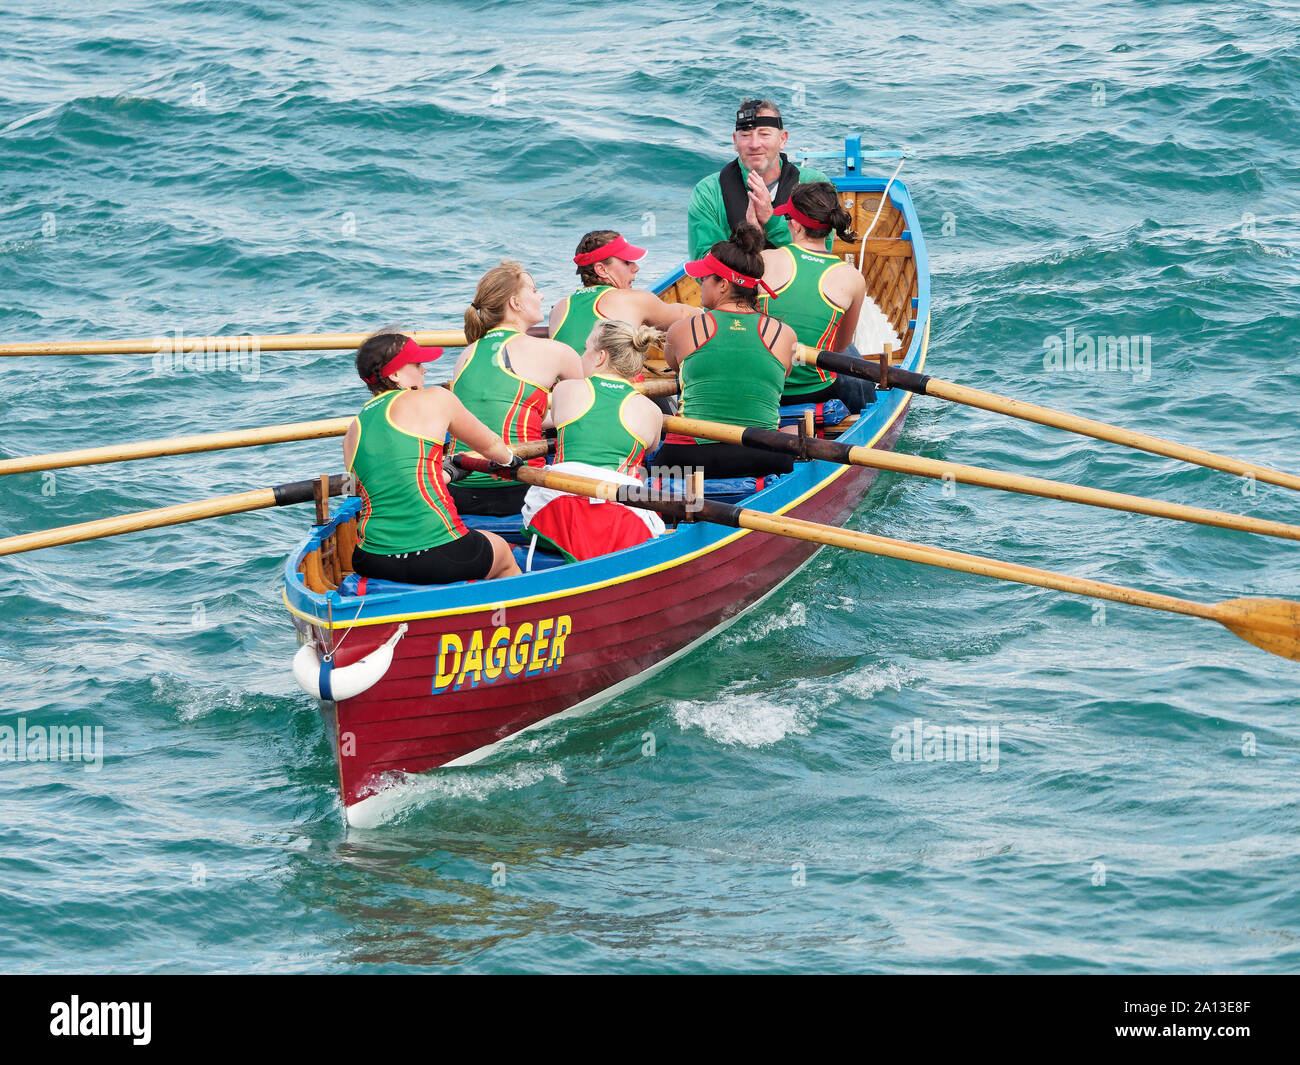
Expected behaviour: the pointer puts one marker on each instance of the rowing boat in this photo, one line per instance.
(411, 679)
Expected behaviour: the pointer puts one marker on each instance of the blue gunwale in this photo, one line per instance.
(686, 543)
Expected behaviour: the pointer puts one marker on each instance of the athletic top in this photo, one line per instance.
(803, 306)
(733, 377)
(500, 399)
(600, 435)
(581, 314)
(404, 503)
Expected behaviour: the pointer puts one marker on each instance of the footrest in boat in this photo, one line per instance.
(828, 412)
(542, 558)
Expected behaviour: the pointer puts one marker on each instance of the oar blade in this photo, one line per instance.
(1273, 624)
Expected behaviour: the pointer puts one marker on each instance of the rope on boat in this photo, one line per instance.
(884, 198)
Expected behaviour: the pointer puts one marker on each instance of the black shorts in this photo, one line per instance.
(853, 392)
(468, 558)
(494, 502)
(722, 460)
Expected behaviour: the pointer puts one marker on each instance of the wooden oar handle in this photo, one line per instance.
(838, 362)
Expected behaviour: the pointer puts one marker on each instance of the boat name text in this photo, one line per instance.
(526, 649)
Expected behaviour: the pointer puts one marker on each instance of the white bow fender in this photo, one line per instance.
(322, 679)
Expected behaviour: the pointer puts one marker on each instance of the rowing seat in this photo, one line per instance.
(351, 587)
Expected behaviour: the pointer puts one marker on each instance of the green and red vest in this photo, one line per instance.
(803, 306)
(500, 399)
(404, 502)
(600, 435)
(580, 317)
(733, 377)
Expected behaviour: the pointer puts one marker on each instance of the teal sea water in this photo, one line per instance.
(1118, 169)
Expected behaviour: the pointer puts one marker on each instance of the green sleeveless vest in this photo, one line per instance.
(805, 309)
(500, 399)
(599, 435)
(405, 505)
(733, 377)
(580, 317)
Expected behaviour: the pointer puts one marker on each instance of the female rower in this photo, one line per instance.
(410, 530)
(821, 295)
(732, 361)
(604, 426)
(607, 267)
(504, 378)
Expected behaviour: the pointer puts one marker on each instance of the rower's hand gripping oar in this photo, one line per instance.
(1271, 624)
(925, 385)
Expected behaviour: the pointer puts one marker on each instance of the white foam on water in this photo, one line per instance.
(795, 618)
(871, 681)
(756, 719)
(745, 720)
(406, 795)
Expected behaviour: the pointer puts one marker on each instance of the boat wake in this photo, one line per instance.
(405, 797)
(795, 618)
(740, 718)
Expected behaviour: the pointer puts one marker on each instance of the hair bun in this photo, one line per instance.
(748, 238)
(644, 337)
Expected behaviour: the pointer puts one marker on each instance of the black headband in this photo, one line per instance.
(749, 118)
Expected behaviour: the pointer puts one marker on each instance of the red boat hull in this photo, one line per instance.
(451, 692)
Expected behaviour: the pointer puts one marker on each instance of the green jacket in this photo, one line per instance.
(706, 218)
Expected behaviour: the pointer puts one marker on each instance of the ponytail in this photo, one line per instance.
(491, 298)
(820, 201)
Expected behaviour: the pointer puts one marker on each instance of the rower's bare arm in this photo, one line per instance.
(647, 421)
(776, 268)
(469, 430)
(568, 398)
(679, 344)
(350, 443)
(568, 364)
(557, 315)
(784, 347)
(461, 359)
(849, 323)
(654, 311)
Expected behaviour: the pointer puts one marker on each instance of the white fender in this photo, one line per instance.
(345, 681)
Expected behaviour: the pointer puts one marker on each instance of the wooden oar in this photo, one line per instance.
(238, 503)
(177, 445)
(833, 451)
(282, 495)
(447, 338)
(235, 438)
(924, 385)
(1272, 624)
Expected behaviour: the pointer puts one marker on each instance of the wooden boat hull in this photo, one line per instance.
(479, 663)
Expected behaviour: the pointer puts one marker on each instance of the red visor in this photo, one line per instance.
(410, 354)
(618, 248)
(791, 211)
(709, 265)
